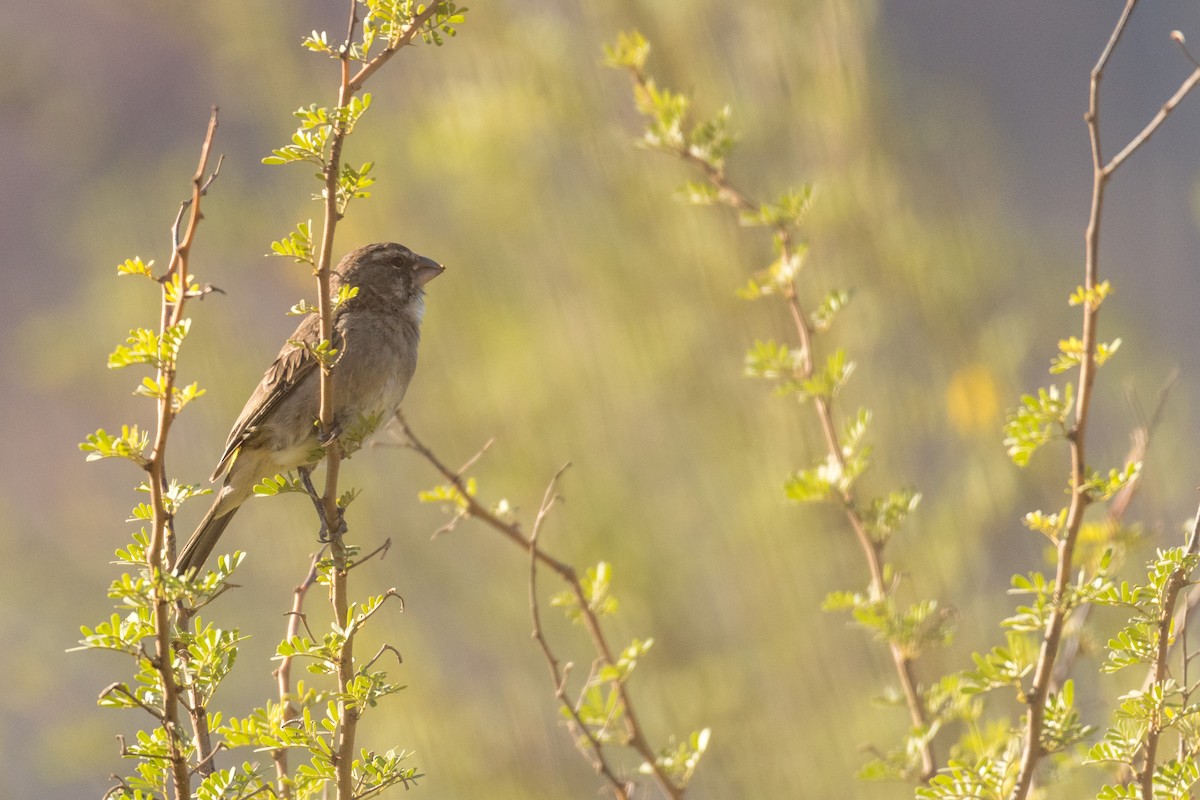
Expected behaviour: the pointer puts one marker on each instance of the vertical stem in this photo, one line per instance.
(1032, 750)
(283, 676)
(343, 753)
(872, 550)
(343, 749)
(1162, 647)
(164, 656)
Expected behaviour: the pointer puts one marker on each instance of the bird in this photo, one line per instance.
(376, 332)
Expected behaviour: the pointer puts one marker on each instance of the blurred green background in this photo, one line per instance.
(585, 317)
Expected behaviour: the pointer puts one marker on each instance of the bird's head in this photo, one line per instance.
(386, 272)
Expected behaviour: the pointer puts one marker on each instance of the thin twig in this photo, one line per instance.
(342, 755)
(872, 549)
(161, 550)
(122, 689)
(1155, 123)
(1141, 436)
(344, 752)
(385, 648)
(587, 742)
(283, 674)
(405, 39)
(636, 737)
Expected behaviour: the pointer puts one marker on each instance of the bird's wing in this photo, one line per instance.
(291, 366)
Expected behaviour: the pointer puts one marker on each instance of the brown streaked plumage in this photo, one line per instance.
(376, 334)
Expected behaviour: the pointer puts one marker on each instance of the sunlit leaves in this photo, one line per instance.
(323, 351)
(1036, 421)
(388, 23)
(1102, 487)
(778, 277)
(279, 484)
(448, 494)
(1071, 354)
(1002, 666)
(630, 51)
(666, 114)
(1162, 704)
(135, 266)
(817, 484)
(123, 634)
(317, 41)
(1061, 726)
(826, 381)
(156, 389)
(698, 193)
(626, 661)
(832, 478)
(710, 141)
(1120, 744)
(302, 309)
(680, 759)
(307, 145)
(991, 777)
(174, 495)
(1049, 525)
(774, 361)
(130, 443)
(297, 245)
(144, 346)
(595, 583)
(883, 515)
(771, 360)
(668, 127)
(913, 629)
(1031, 618)
(353, 184)
(1093, 297)
(789, 210)
(831, 304)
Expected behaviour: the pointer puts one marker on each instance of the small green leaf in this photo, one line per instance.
(131, 444)
(1091, 297)
(630, 51)
(1036, 421)
(135, 266)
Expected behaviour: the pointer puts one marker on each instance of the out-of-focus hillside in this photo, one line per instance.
(586, 317)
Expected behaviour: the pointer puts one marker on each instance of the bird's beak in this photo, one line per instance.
(427, 270)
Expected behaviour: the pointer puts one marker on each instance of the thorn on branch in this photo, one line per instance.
(383, 649)
(1177, 38)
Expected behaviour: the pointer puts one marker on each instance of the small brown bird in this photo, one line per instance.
(376, 334)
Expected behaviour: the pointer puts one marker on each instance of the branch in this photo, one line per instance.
(405, 39)
(283, 674)
(1101, 173)
(161, 551)
(1142, 433)
(872, 550)
(512, 532)
(586, 741)
(1159, 671)
(1155, 123)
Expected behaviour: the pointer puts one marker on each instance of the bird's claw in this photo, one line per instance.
(319, 504)
(330, 436)
(323, 536)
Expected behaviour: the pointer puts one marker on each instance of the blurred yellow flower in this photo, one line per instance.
(971, 399)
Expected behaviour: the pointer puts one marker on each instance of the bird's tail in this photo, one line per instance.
(200, 546)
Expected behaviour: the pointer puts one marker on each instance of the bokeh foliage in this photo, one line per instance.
(581, 318)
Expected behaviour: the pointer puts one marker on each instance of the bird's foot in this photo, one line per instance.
(323, 536)
(332, 435)
(319, 505)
